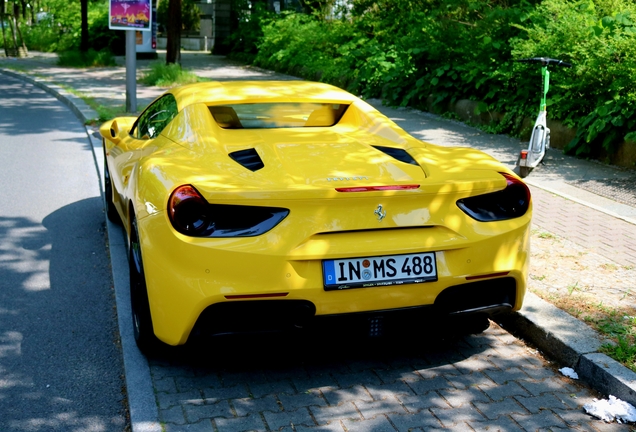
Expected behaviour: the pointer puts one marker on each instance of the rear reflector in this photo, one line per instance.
(253, 296)
(486, 276)
(376, 188)
(524, 154)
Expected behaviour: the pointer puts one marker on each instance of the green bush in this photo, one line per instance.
(599, 95)
(416, 52)
(247, 30)
(48, 35)
(166, 75)
(100, 37)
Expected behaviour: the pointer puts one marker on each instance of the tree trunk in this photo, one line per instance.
(84, 35)
(173, 48)
(16, 11)
(13, 24)
(32, 14)
(4, 37)
(23, 3)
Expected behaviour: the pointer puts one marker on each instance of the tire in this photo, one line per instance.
(140, 307)
(524, 171)
(477, 324)
(469, 325)
(111, 211)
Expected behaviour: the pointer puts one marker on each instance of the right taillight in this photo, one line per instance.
(509, 203)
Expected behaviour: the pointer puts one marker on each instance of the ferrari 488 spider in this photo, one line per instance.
(253, 206)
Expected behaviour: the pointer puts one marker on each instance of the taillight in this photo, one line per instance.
(191, 215)
(188, 212)
(509, 203)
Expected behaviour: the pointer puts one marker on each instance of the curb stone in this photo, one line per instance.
(609, 376)
(552, 330)
(572, 343)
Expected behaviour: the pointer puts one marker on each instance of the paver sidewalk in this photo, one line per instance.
(607, 235)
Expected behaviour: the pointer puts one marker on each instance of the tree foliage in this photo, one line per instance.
(57, 26)
(418, 52)
(190, 15)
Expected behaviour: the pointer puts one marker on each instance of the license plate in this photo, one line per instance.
(379, 271)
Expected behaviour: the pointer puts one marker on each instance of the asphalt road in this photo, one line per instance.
(60, 362)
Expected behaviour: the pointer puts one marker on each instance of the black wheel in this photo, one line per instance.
(111, 211)
(477, 324)
(467, 325)
(524, 171)
(140, 308)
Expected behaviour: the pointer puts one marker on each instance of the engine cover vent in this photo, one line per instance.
(399, 154)
(248, 158)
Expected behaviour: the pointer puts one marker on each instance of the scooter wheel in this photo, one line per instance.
(524, 171)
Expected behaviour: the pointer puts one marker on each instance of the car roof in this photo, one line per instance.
(217, 93)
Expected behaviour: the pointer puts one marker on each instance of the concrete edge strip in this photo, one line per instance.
(81, 110)
(579, 201)
(144, 415)
(572, 343)
(610, 377)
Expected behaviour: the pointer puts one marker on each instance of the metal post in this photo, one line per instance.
(131, 72)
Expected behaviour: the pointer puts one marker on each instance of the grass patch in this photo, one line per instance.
(14, 67)
(544, 234)
(91, 58)
(168, 75)
(616, 324)
(104, 113)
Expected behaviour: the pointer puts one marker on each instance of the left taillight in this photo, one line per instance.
(189, 212)
(509, 203)
(191, 215)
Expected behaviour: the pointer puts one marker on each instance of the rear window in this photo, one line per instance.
(277, 115)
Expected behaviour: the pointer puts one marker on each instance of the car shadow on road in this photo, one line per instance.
(59, 360)
(320, 351)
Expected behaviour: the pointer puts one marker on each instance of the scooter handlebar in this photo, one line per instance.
(545, 61)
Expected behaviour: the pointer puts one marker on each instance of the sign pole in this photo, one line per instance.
(131, 72)
(131, 16)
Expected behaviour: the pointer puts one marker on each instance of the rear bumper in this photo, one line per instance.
(484, 298)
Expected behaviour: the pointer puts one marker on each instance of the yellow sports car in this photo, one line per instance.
(264, 205)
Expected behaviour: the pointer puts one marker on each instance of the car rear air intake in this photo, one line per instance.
(248, 158)
(397, 153)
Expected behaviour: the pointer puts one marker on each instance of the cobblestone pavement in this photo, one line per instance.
(621, 190)
(607, 235)
(484, 382)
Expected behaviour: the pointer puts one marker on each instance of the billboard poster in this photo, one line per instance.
(130, 15)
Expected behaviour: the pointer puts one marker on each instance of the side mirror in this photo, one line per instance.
(117, 129)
